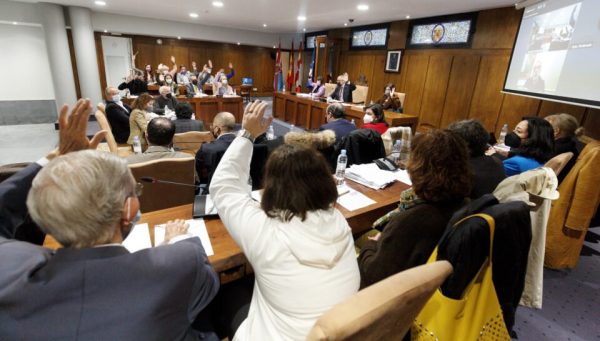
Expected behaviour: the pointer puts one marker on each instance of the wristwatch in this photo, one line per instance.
(245, 133)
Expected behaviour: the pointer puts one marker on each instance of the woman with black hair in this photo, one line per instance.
(532, 144)
(375, 119)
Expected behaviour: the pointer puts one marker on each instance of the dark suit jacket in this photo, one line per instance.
(209, 155)
(487, 173)
(183, 125)
(348, 88)
(119, 120)
(102, 293)
(136, 87)
(341, 127)
(160, 102)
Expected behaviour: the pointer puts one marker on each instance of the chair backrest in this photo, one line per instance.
(104, 125)
(190, 141)
(329, 88)
(359, 95)
(393, 134)
(385, 310)
(363, 146)
(158, 196)
(102, 107)
(401, 96)
(558, 163)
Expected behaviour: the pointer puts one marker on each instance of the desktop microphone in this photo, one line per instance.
(156, 181)
(203, 206)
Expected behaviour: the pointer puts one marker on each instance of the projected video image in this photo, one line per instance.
(549, 41)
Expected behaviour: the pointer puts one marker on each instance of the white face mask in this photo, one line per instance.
(116, 98)
(224, 82)
(169, 81)
(367, 119)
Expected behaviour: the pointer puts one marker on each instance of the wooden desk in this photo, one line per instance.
(385, 200)
(206, 108)
(310, 114)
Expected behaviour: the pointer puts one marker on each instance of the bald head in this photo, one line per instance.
(224, 122)
(160, 132)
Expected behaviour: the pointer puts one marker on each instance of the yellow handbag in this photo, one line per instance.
(477, 316)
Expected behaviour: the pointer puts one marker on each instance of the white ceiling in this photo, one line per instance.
(281, 15)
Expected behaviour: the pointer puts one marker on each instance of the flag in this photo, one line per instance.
(311, 69)
(278, 79)
(290, 76)
(299, 66)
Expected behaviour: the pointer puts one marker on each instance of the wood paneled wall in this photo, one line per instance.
(248, 61)
(445, 85)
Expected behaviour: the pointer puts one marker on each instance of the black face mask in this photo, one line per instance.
(169, 96)
(512, 140)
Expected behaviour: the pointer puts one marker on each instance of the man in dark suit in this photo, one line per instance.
(135, 84)
(117, 114)
(336, 121)
(93, 288)
(343, 91)
(165, 99)
(208, 156)
(184, 121)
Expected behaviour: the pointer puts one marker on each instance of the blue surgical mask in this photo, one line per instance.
(116, 98)
(138, 214)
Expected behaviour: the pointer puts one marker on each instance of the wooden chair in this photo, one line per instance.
(329, 89)
(189, 142)
(360, 94)
(385, 310)
(158, 196)
(559, 162)
(246, 92)
(102, 107)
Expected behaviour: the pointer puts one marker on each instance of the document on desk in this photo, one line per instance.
(138, 239)
(353, 200)
(197, 228)
(402, 176)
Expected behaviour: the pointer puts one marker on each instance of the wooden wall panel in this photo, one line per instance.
(434, 94)
(415, 82)
(460, 88)
(497, 28)
(549, 108)
(487, 98)
(514, 108)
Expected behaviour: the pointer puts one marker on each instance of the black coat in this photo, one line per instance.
(467, 246)
(486, 173)
(347, 93)
(118, 118)
(136, 87)
(362, 146)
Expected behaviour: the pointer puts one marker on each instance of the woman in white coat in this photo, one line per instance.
(299, 245)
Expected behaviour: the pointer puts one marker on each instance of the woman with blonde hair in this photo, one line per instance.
(566, 131)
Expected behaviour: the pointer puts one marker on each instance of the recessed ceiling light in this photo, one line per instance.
(362, 7)
(274, 46)
(100, 3)
(345, 24)
(105, 31)
(301, 18)
(407, 16)
(15, 23)
(179, 37)
(238, 43)
(194, 15)
(303, 30)
(218, 3)
(264, 25)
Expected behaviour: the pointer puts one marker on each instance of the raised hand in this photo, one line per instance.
(194, 64)
(173, 59)
(73, 128)
(230, 65)
(210, 63)
(253, 119)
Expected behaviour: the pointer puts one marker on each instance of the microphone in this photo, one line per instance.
(153, 180)
(203, 205)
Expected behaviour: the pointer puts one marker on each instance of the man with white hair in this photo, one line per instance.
(166, 99)
(93, 288)
(117, 114)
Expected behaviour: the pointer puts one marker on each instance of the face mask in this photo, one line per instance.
(512, 140)
(194, 81)
(209, 70)
(224, 82)
(387, 92)
(367, 119)
(116, 98)
(169, 95)
(169, 81)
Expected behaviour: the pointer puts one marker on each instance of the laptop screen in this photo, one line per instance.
(247, 81)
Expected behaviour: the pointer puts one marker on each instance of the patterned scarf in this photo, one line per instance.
(408, 199)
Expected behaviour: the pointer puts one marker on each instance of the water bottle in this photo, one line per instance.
(396, 151)
(353, 122)
(340, 170)
(503, 133)
(137, 146)
(270, 133)
(292, 128)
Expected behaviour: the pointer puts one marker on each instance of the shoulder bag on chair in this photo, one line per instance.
(477, 316)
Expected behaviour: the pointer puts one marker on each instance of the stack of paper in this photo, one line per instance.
(353, 200)
(370, 175)
(402, 176)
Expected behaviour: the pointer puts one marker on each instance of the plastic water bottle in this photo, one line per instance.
(270, 133)
(292, 127)
(353, 122)
(396, 151)
(503, 133)
(137, 146)
(340, 170)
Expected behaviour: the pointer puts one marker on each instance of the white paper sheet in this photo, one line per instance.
(402, 176)
(370, 175)
(353, 200)
(197, 228)
(138, 239)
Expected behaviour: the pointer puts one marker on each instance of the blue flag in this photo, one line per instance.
(311, 69)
